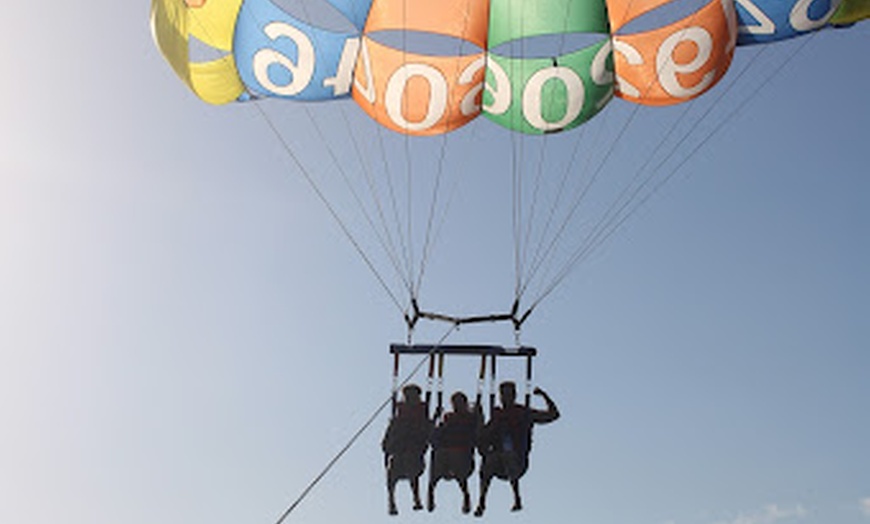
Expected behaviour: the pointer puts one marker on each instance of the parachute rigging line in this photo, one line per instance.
(354, 193)
(427, 244)
(406, 249)
(583, 191)
(386, 238)
(589, 244)
(526, 242)
(617, 215)
(435, 236)
(616, 222)
(347, 233)
(540, 254)
(389, 245)
(630, 198)
(318, 191)
(516, 167)
(431, 236)
(542, 257)
(407, 141)
(366, 425)
(578, 200)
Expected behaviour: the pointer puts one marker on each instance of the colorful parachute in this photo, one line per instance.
(227, 50)
(428, 67)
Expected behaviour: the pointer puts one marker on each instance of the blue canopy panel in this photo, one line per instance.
(280, 55)
(762, 21)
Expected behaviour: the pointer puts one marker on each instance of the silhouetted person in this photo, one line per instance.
(506, 440)
(405, 443)
(453, 443)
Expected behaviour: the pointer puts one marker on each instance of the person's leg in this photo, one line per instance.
(391, 494)
(486, 474)
(518, 503)
(430, 499)
(415, 490)
(466, 496)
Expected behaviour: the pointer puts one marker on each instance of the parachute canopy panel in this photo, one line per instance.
(675, 62)
(556, 92)
(233, 50)
(764, 21)
(850, 12)
(178, 26)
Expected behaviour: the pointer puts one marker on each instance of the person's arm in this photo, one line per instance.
(387, 441)
(552, 412)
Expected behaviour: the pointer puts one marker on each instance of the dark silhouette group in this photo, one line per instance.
(504, 443)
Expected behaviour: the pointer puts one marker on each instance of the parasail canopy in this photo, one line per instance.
(234, 50)
(429, 68)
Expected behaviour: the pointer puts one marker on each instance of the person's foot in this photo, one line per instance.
(517, 506)
(466, 504)
(479, 511)
(393, 509)
(417, 505)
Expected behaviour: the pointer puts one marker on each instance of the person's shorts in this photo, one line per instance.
(405, 466)
(506, 465)
(453, 463)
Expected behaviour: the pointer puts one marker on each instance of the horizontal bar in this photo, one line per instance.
(522, 351)
(466, 320)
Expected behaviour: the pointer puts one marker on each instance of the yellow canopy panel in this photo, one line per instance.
(174, 22)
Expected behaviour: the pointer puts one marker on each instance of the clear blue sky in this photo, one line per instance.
(186, 336)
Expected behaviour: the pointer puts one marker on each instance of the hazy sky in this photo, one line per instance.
(187, 336)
